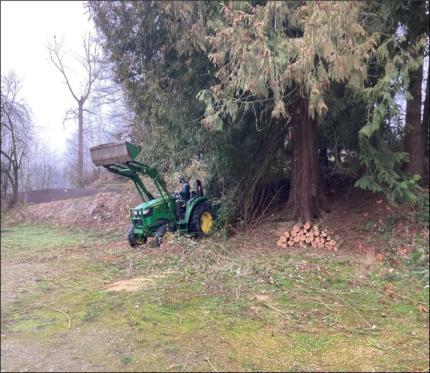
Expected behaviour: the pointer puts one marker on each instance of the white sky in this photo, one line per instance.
(26, 27)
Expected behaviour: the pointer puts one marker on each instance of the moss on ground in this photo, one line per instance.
(30, 240)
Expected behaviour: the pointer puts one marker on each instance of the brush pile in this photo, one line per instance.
(307, 235)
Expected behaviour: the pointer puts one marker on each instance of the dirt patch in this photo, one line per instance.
(137, 283)
(76, 351)
(365, 221)
(362, 222)
(17, 278)
(261, 297)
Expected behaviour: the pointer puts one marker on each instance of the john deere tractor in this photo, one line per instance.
(157, 215)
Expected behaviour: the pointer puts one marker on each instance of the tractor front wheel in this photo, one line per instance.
(161, 234)
(132, 240)
(202, 220)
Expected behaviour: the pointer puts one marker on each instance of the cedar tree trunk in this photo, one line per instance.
(425, 128)
(426, 113)
(414, 130)
(306, 198)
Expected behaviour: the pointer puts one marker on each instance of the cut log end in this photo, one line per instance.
(308, 235)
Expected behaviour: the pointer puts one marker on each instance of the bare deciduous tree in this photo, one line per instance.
(113, 117)
(16, 129)
(40, 167)
(92, 68)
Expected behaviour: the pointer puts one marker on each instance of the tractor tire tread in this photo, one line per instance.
(194, 226)
(159, 234)
(131, 238)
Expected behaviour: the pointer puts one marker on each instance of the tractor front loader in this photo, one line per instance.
(156, 215)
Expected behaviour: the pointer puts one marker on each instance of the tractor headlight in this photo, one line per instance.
(138, 213)
(146, 212)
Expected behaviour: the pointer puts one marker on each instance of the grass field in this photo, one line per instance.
(204, 306)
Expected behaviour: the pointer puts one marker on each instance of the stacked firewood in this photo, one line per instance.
(307, 235)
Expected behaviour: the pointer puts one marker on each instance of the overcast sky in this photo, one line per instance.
(26, 27)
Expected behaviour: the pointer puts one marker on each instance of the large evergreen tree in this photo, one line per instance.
(273, 81)
(289, 53)
(415, 20)
(154, 51)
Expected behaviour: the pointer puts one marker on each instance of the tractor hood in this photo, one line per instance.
(150, 204)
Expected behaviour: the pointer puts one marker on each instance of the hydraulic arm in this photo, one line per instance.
(131, 170)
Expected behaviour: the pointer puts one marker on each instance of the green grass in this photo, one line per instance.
(219, 308)
(30, 239)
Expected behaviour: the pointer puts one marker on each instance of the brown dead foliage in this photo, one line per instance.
(103, 211)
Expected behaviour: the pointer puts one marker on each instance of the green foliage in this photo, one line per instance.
(241, 171)
(154, 48)
(418, 259)
(167, 100)
(213, 84)
(293, 48)
(338, 131)
(424, 211)
(383, 165)
(383, 174)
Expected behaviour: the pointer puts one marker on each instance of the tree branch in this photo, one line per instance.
(57, 60)
(7, 156)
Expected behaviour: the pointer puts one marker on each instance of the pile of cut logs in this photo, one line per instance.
(307, 235)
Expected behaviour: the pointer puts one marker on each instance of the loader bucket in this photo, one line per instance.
(114, 153)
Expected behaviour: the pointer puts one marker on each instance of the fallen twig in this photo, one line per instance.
(318, 301)
(211, 364)
(358, 314)
(57, 310)
(175, 314)
(186, 362)
(345, 302)
(284, 315)
(237, 292)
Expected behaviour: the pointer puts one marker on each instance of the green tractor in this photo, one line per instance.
(157, 215)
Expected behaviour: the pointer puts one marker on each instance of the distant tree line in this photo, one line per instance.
(27, 163)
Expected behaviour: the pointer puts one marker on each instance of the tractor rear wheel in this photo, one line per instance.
(202, 220)
(132, 240)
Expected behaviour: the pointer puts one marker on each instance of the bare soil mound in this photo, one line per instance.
(102, 211)
(49, 195)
